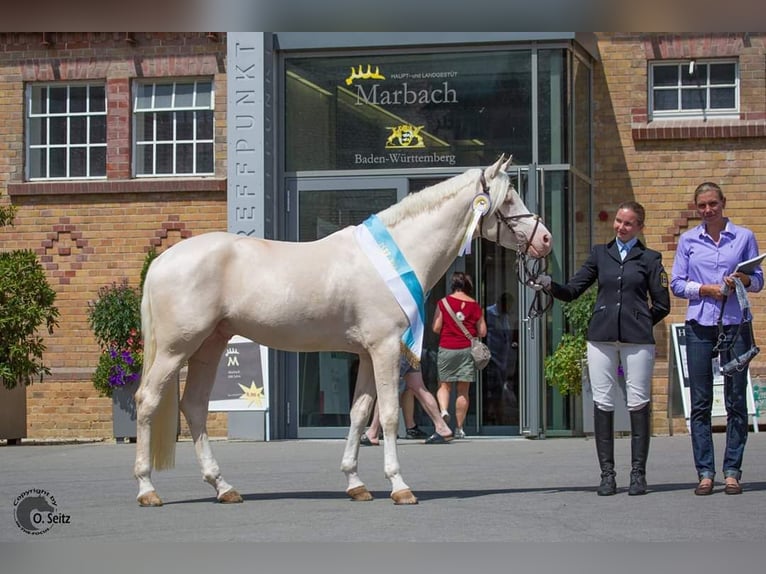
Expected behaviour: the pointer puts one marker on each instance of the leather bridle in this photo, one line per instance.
(528, 269)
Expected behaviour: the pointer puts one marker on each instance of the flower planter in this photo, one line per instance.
(124, 412)
(13, 413)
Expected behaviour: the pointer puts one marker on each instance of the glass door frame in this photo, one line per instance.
(288, 361)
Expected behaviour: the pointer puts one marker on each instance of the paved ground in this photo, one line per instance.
(472, 490)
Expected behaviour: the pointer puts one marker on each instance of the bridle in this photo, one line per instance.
(528, 269)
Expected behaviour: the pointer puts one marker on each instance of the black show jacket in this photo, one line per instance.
(622, 311)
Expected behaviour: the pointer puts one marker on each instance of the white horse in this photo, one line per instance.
(323, 295)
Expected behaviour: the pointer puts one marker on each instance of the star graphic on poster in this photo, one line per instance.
(252, 394)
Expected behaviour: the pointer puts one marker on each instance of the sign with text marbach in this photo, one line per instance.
(241, 381)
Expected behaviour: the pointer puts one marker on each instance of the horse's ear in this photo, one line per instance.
(492, 170)
(504, 167)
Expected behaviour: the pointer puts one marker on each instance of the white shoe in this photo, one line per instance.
(445, 416)
(459, 433)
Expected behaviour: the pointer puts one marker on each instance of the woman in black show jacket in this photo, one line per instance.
(621, 332)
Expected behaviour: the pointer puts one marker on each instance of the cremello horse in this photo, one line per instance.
(323, 295)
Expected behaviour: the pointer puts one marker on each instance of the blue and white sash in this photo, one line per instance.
(381, 249)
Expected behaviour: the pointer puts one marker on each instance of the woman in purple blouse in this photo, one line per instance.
(705, 261)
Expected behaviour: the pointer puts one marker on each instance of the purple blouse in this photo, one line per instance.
(700, 261)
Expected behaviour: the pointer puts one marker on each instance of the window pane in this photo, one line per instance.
(665, 100)
(722, 98)
(37, 163)
(98, 161)
(77, 157)
(693, 99)
(204, 90)
(722, 73)
(57, 100)
(165, 158)
(204, 125)
(184, 96)
(144, 96)
(37, 128)
(164, 126)
(39, 99)
(58, 130)
(163, 95)
(97, 99)
(98, 129)
(184, 125)
(205, 158)
(145, 127)
(77, 95)
(144, 160)
(698, 77)
(185, 158)
(665, 75)
(78, 126)
(58, 162)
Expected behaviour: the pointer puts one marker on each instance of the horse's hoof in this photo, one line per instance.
(150, 499)
(230, 497)
(404, 497)
(360, 494)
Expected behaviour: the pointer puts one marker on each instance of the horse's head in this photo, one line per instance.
(510, 223)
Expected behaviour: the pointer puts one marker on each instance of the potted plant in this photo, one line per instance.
(26, 304)
(115, 318)
(564, 368)
(567, 370)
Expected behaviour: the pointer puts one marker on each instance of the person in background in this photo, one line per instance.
(502, 320)
(705, 261)
(620, 332)
(455, 361)
(411, 382)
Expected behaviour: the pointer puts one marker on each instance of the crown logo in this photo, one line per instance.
(360, 74)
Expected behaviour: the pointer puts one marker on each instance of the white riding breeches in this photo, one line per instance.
(637, 362)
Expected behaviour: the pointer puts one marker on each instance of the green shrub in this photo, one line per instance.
(26, 304)
(563, 369)
(115, 319)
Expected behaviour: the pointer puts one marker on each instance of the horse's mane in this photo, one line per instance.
(431, 197)
(428, 198)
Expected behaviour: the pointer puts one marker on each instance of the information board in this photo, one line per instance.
(681, 374)
(241, 381)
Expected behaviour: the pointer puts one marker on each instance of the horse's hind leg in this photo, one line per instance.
(194, 405)
(156, 415)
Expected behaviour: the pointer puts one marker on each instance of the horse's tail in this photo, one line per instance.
(164, 422)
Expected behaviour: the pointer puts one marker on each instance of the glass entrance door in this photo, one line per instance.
(514, 398)
(323, 383)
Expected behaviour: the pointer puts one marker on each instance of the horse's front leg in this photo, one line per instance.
(360, 413)
(387, 386)
(194, 405)
(389, 420)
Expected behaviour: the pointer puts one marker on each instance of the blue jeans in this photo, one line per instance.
(700, 341)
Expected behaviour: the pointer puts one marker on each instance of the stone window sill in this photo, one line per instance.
(112, 186)
(697, 129)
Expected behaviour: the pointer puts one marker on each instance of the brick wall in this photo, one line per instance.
(90, 234)
(660, 163)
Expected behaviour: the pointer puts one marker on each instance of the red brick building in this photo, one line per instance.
(92, 204)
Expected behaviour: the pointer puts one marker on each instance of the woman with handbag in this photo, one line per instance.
(455, 360)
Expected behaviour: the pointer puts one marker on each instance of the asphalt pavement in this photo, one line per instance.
(482, 489)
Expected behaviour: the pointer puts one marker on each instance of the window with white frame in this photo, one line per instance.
(173, 128)
(693, 89)
(66, 131)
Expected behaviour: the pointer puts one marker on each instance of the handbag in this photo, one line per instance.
(479, 351)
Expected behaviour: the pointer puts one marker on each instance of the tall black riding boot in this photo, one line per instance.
(603, 426)
(639, 449)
